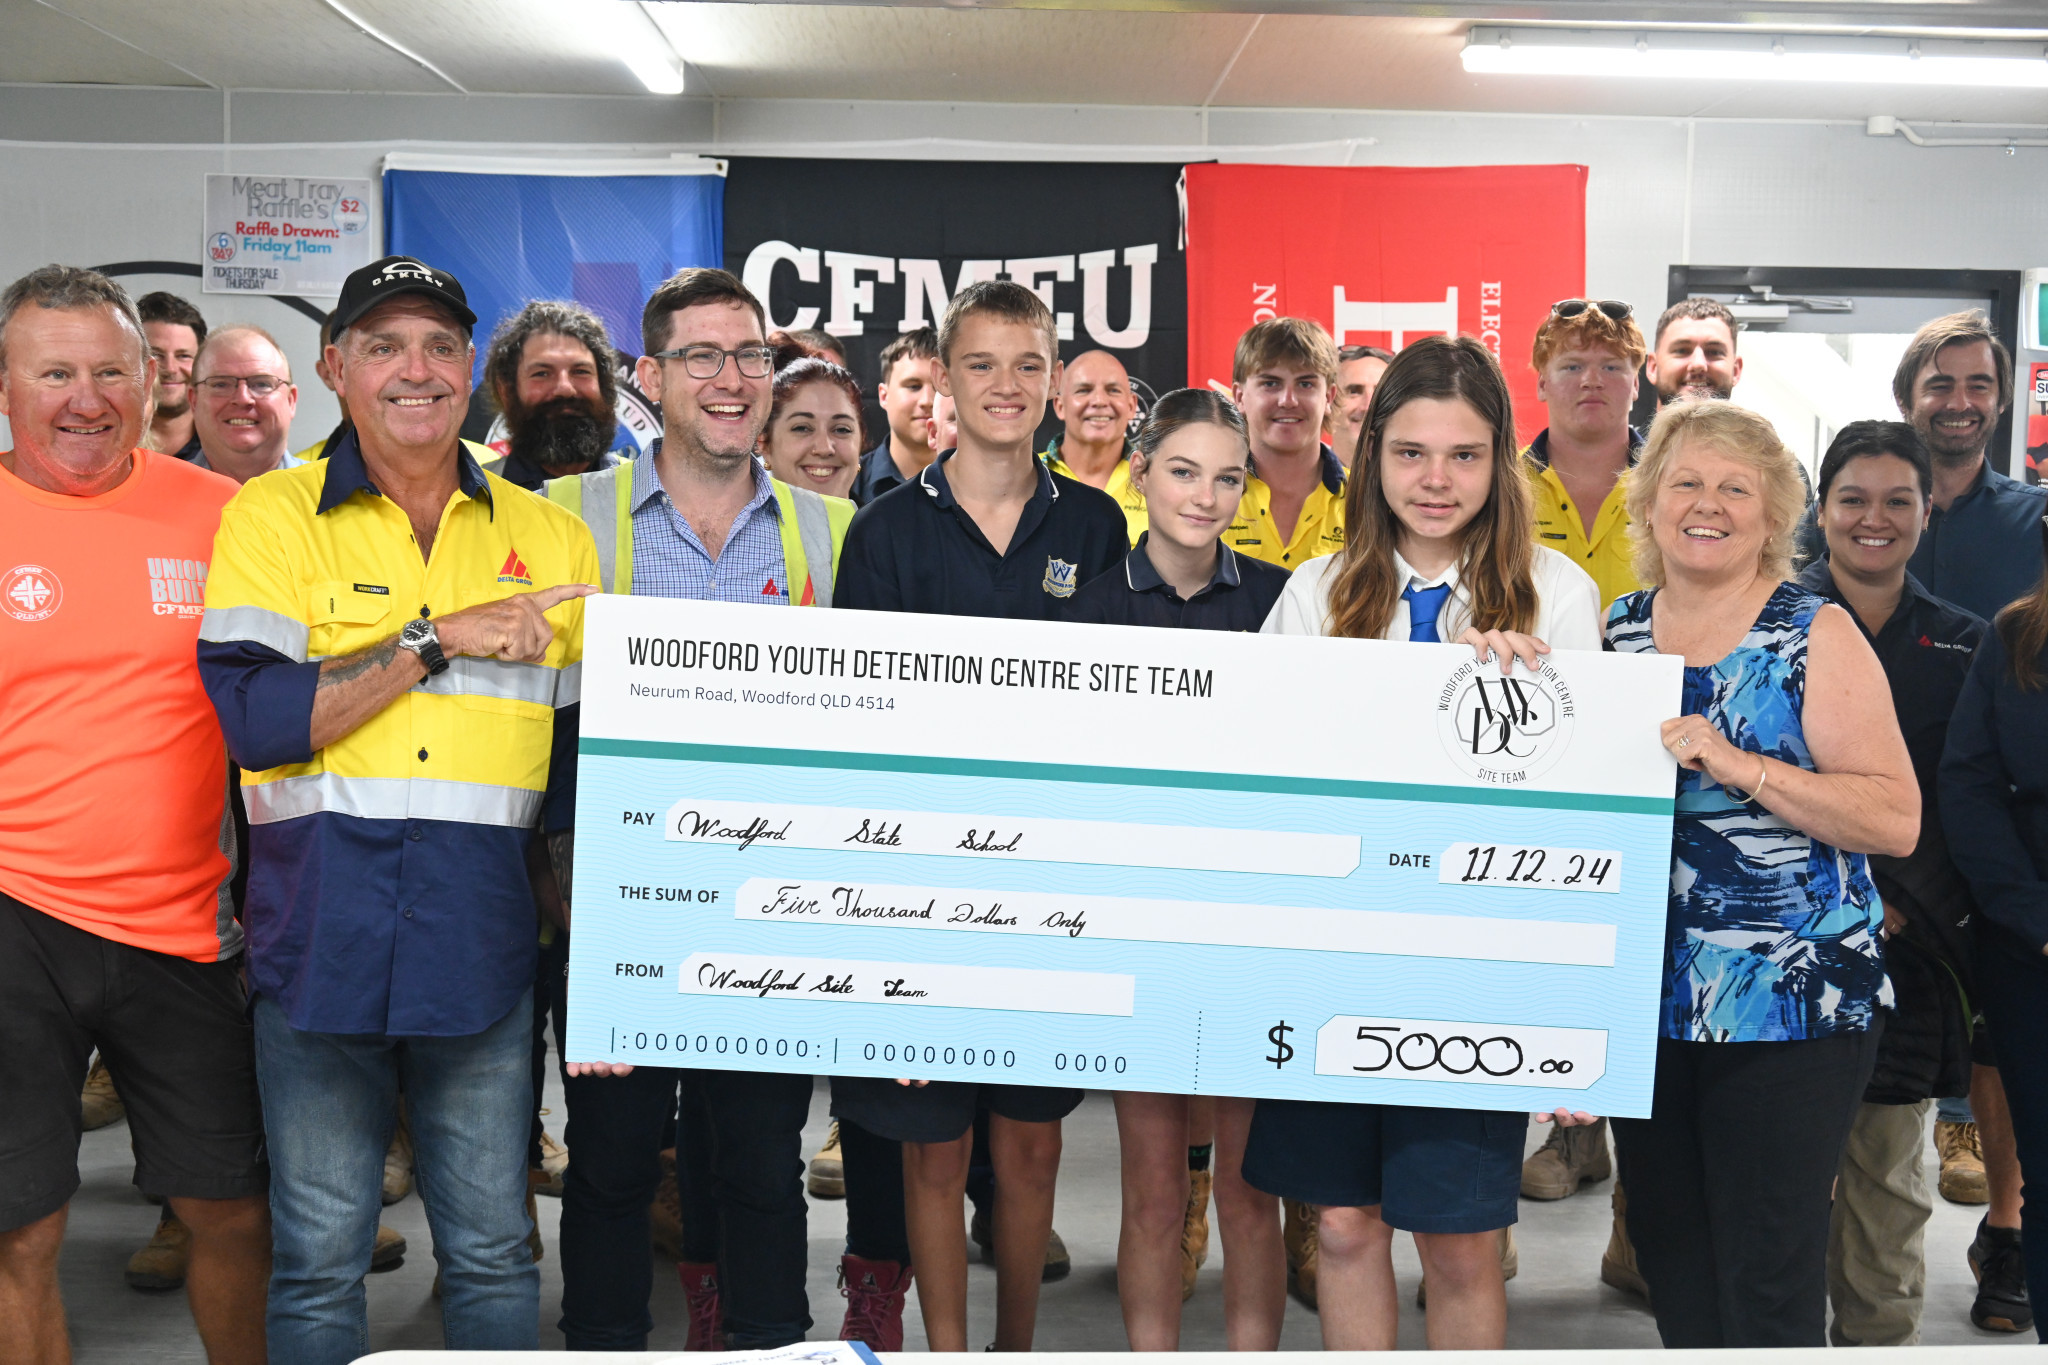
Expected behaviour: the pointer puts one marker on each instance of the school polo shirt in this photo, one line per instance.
(113, 778)
(1239, 595)
(1607, 553)
(1318, 531)
(1136, 517)
(878, 475)
(915, 549)
(387, 881)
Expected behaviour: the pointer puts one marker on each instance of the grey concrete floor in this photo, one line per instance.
(1556, 1302)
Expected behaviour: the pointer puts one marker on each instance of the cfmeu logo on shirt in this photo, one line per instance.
(30, 592)
(1504, 730)
(177, 587)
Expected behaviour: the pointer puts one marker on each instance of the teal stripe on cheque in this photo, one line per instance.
(1125, 777)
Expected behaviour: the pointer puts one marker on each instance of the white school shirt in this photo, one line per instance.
(1567, 602)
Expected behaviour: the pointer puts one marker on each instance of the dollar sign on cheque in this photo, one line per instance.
(1283, 1051)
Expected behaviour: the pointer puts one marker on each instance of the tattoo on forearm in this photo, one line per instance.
(379, 656)
(561, 852)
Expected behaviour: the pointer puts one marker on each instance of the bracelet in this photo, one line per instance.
(1763, 775)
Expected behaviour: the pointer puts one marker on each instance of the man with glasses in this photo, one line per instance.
(1358, 373)
(698, 517)
(243, 403)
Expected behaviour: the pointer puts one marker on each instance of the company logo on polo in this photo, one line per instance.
(177, 587)
(30, 592)
(515, 570)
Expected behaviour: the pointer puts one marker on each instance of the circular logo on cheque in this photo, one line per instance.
(1505, 731)
(30, 592)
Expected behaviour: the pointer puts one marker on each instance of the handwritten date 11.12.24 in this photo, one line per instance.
(1555, 869)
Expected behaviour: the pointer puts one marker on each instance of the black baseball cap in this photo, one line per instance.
(380, 281)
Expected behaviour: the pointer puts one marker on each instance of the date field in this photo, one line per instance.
(1552, 869)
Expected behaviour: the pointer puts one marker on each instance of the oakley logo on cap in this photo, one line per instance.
(406, 270)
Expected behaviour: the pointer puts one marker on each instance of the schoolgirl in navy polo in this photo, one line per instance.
(1189, 467)
(1439, 548)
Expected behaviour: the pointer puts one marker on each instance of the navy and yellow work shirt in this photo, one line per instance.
(916, 549)
(1239, 596)
(1318, 531)
(1984, 550)
(1596, 539)
(1137, 518)
(387, 878)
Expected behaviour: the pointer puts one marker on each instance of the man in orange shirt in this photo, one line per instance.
(116, 927)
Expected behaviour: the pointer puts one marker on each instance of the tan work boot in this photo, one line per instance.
(1510, 1266)
(97, 1102)
(665, 1214)
(827, 1176)
(1298, 1235)
(1568, 1158)
(1194, 1232)
(389, 1249)
(554, 1163)
(398, 1162)
(161, 1265)
(1618, 1262)
(1962, 1163)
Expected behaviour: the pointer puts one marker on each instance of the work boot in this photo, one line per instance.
(1298, 1234)
(161, 1265)
(1618, 1262)
(1962, 1163)
(554, 1163)
(1510, 1266)
(665, 1214)
(1568, 1158)
(389, 1249)
(98, 1105)
(398, 1162)
(874, 1293)
(1058, 1264)
(1194, 1232)
(1999, 1264)
(827, 1177)
(707, 1320)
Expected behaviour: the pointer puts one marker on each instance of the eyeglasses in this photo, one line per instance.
(258, 385)
(708, 362)
(1611, 308)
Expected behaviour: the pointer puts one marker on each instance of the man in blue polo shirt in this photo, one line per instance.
(1983, 544)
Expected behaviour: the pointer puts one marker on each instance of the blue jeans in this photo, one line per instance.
(1955, 1110)
(329, 1105)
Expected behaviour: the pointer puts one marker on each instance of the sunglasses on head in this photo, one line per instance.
(1612, 308)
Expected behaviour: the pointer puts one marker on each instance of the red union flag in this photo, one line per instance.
(1381, 255)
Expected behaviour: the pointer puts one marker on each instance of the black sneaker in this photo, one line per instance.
(2001, 1270)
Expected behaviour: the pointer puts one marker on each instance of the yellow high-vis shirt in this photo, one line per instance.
(1318, 531)
(1128, 498)
(1607, 552)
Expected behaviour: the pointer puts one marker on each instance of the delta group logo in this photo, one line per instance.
(515, 570)
(30, 592)
(177, 587)
(1505, 731)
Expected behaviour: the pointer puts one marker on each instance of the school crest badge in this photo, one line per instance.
(1059, 577)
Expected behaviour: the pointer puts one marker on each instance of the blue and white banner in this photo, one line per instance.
(600, 233)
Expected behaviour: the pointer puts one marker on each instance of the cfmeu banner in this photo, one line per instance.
(866, 250)
(601, 233)
(1384, 254)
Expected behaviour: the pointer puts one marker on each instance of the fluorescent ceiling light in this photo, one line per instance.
(628, 32)
(1749, 55)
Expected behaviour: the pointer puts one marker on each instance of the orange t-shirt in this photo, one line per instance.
(113, 774)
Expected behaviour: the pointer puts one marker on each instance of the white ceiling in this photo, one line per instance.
(1372, 54)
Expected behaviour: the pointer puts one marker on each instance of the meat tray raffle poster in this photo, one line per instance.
(1381, 255)
(285, 234)
(866, 250)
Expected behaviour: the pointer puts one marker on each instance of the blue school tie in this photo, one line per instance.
(1424, 605)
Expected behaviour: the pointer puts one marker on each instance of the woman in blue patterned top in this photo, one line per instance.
(1791, 769)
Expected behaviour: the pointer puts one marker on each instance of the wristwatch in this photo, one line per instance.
(419, 637)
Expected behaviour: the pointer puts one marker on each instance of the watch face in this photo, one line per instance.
(417, 632)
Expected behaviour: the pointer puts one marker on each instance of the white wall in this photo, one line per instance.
(95, 175)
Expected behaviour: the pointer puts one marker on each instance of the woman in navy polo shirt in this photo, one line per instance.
(1440, 548)
(1189, 466)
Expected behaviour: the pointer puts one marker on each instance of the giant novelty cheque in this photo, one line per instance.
(851, 843)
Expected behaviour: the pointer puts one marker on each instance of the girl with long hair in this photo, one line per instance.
(1439, 548)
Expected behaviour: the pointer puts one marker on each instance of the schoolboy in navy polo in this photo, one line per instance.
(985, 530)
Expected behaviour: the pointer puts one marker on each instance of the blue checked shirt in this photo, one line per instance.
(669, 560)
